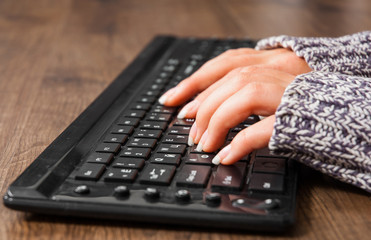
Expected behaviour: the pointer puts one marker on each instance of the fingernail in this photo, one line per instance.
(203, 140)
(199, 147)
(222, 155)
(190, 141)
(216, 160)
(192, 133)
(188, 107)
(162, 100)
(182, 113)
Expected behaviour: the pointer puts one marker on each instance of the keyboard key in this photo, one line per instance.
(171, 148)
(90, 171)
(147, 99)
(104, 158)
(175, 139)
(120, 175)
(229, 177)
(252, 119)
(163, 109)
(141, 106)
(193, 176)
(153, 125)
(142, 142)
(266, 182)
(179, 130)
(166, 158)
(240, 127)
(231, 135)
(128, 121)
(135, 114)
(122, 129)
(115, 138)
(147, 133)
(123, 162)
(265, 152)
(204, 159)
(135, 152)
(156, 86)
(161, 117)
(183, 122)
(108, 147)
(270, 165)
(157, 174)
(151, 93)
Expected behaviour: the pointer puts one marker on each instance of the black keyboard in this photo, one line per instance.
(126, 157)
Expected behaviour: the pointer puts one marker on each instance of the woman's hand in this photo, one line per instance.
(236, 84)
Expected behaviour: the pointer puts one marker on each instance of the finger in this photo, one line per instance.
(245, 76)
(254, 137)
(255, 98)
(209, 73)
(190, 109)
(239, 76)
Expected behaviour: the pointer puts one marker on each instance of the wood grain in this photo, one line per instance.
(57, 56)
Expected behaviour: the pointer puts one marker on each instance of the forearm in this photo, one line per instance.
(324, 121)
(349, 54)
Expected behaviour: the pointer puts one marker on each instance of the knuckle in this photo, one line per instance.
(253, 69)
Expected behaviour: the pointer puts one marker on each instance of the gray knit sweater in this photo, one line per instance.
(324, 119)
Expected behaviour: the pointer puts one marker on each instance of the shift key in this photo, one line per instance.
(229, 177)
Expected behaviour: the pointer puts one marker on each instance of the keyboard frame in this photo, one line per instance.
(33, 190)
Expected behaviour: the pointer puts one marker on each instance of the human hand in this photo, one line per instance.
(235, 93)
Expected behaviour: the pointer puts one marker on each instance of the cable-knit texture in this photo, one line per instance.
(349, 54)
(324, 121)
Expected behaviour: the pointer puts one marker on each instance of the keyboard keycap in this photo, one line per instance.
(120, 175)
(161, 117)
(122, 129)
(193, 176)
(179, 130)
(115, 138)
(151, 93)
(183, 122)
(123, 162)
(171, 148)
(128, 121)
(166, 158)
(153, 125)
(147, 99)
(135, 152)
(266, 182)
(90, 171)
(135, 114)
(157, 174)
(142, 142)
(229, 177)
(175, 139)
(141, 106)
(108, 147)
(147, 133)
(104, 158)
(163, 109)
(270, 165)
(204, 159)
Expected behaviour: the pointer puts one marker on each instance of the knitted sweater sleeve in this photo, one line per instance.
(324, 121)
(350, 54)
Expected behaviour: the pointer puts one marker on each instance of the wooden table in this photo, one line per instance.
(56, 56)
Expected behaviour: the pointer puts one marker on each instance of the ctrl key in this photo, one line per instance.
(266, 182)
